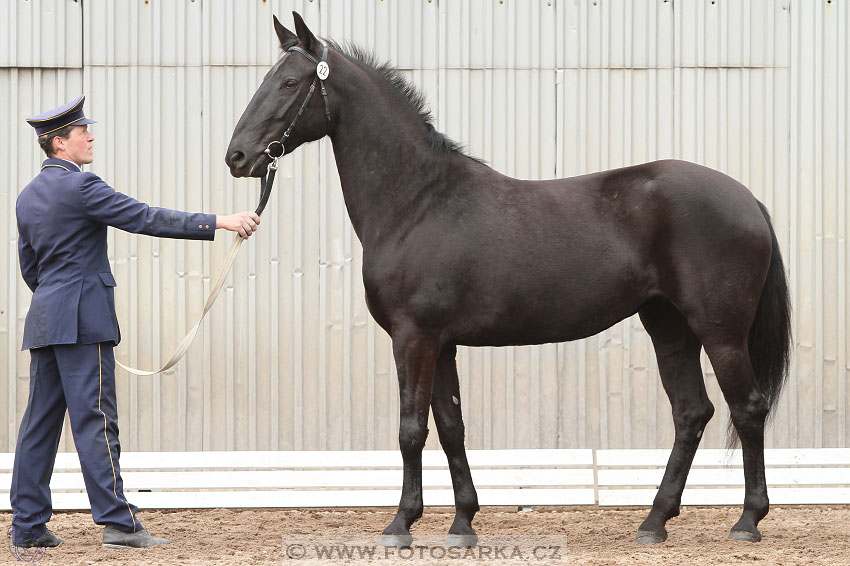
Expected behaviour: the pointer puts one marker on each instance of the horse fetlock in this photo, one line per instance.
(665, 507)
(409, 513)
(397, 527)
(466, 504)
(757, 507)
(462, 525)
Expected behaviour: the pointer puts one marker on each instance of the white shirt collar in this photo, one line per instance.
(75, 167)
(71, 162)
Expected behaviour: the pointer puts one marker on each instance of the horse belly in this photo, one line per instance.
(542, 316)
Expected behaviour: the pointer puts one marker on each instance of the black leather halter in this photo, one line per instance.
(275, 149)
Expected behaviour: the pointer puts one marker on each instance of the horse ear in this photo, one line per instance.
(306, 37)
(287, 38)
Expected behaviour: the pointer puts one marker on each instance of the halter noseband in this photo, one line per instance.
(276, 149)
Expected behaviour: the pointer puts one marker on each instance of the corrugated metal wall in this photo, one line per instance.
(289, 358)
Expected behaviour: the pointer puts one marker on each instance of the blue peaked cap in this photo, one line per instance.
(56, 119)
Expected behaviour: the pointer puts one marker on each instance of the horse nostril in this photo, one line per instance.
(237, 158)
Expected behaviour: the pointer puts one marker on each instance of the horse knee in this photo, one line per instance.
(411, 436)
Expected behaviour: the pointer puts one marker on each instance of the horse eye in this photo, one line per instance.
(290, 83)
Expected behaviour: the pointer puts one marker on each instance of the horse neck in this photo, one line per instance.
(384, 159)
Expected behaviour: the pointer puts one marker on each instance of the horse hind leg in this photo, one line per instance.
(445, 403)
(748, 409)
(725, 337)
(677, 349)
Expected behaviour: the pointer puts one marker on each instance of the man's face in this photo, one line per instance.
(77, 147)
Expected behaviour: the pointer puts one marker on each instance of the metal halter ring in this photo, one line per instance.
(274, 150)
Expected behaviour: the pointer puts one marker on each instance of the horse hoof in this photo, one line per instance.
(397, 541)
(745, 536)
(647, 537)
(461, 541)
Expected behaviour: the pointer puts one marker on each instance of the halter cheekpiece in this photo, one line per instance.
(276, 148)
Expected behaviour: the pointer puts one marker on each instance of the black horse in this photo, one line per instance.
(457, 253)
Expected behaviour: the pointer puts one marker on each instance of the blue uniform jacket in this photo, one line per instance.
(62, 219)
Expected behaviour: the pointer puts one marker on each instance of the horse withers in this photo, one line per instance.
(455, 253)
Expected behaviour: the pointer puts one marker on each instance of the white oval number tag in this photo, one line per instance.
(323, 70)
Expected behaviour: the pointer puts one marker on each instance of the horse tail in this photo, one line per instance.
(770, 334)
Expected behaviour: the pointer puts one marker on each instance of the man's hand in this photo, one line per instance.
(243, 222)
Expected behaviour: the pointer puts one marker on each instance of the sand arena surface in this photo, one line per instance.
(594, 536)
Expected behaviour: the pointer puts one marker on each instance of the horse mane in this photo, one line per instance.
(415, 99)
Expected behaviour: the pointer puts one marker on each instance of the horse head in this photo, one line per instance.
(287, 107)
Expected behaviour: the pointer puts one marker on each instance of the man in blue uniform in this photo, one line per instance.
(71, 327)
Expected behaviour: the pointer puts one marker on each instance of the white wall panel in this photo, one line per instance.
(242, 33)
(615, 33)
(41, 33)
(290, 358)
(733, 33)
(143, 32)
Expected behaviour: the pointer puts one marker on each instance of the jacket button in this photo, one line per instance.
(199, 226)
(207, 226)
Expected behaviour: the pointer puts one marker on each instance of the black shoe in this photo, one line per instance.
(39, 537)
(115, 538)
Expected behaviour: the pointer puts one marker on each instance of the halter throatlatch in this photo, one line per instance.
(276, 149)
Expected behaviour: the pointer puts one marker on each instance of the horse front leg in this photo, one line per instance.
(416, 359)
(445, 402)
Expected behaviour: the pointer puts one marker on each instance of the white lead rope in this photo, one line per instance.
(274, 150)
(187, 340)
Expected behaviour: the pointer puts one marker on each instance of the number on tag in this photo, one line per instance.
(323, 70)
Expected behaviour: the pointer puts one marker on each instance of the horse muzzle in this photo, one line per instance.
(243, 166)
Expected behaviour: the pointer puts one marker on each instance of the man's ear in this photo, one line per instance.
(305, 36)
(287, 38)
(57, 140)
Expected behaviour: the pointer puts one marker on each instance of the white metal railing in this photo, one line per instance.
(520, 478)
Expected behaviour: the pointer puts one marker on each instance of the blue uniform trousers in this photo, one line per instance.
(81, 378)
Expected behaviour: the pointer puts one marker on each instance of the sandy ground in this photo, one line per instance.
(591, 535)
